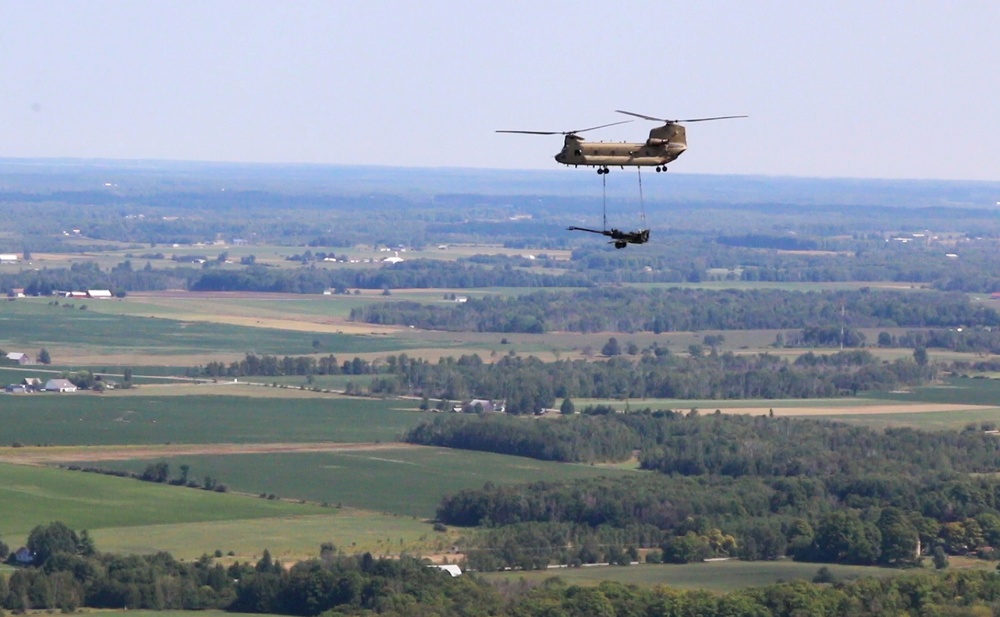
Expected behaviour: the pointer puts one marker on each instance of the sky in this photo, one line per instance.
(876, 89)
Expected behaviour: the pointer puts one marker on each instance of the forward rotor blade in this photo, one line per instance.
(535, 132)
(593, 128)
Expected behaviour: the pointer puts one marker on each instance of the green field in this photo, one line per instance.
(930, 421)
(721, 576)
(708, 406)
(87, 419)
(953, 390)
(31, 496)
(287, 538)
(410, 480)
(32, 324)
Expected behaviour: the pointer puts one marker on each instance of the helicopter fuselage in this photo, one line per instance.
(612, 154)
(664, 145)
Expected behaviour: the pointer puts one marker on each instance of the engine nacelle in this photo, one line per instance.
(655, 141)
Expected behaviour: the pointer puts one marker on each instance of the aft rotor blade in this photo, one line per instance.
(629, 113)
(645, 117)
(704, 119)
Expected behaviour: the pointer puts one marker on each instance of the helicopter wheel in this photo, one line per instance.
(657, 170)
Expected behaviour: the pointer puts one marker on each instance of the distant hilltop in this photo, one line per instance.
(116, 180)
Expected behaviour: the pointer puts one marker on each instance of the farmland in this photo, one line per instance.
(123, 418)
(34, 324)
(406, 480)
(304, 464)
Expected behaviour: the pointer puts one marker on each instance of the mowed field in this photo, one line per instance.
(126, 418)
(403, 479)
(719, 576)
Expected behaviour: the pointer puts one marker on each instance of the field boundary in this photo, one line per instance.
(40, 455)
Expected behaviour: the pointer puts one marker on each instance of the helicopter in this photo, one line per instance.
(664, 145)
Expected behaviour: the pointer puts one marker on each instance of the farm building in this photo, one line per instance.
(19, 358)
(16, 292)
(8, 258)
(451, 569)
(101, 294)
(59, 385)
(23, 555)
(32, 383)
(484, 405)
(17, 388)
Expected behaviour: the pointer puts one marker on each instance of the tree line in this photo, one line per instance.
(529, 385)
(69, 573)
(675, 310)
(694, 443)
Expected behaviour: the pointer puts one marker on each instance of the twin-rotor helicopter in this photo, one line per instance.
(664, 145)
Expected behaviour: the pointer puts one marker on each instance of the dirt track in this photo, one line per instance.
(857, 410)
(65, 454)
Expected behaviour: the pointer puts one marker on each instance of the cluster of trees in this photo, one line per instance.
(417, 273)
(717, 444)
(530, 385)
(670, 310)
(583, 440)
(979, 340)
(158, 472)
(890, 520)
(273, 366)
(69, 574)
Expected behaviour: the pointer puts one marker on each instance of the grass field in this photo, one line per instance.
(721, 576)
(30, 496)
(409, 480)
(88, 419)
(32, 324)
(129, 516)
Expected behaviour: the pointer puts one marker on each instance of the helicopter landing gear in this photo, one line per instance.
(620, 244)
(603, 170)
(659, 169)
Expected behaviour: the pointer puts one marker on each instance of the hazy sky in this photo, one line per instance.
(892, 89)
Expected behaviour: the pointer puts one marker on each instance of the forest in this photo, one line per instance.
(729, 486)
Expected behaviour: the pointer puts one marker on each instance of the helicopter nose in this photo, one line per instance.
(559, 157)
